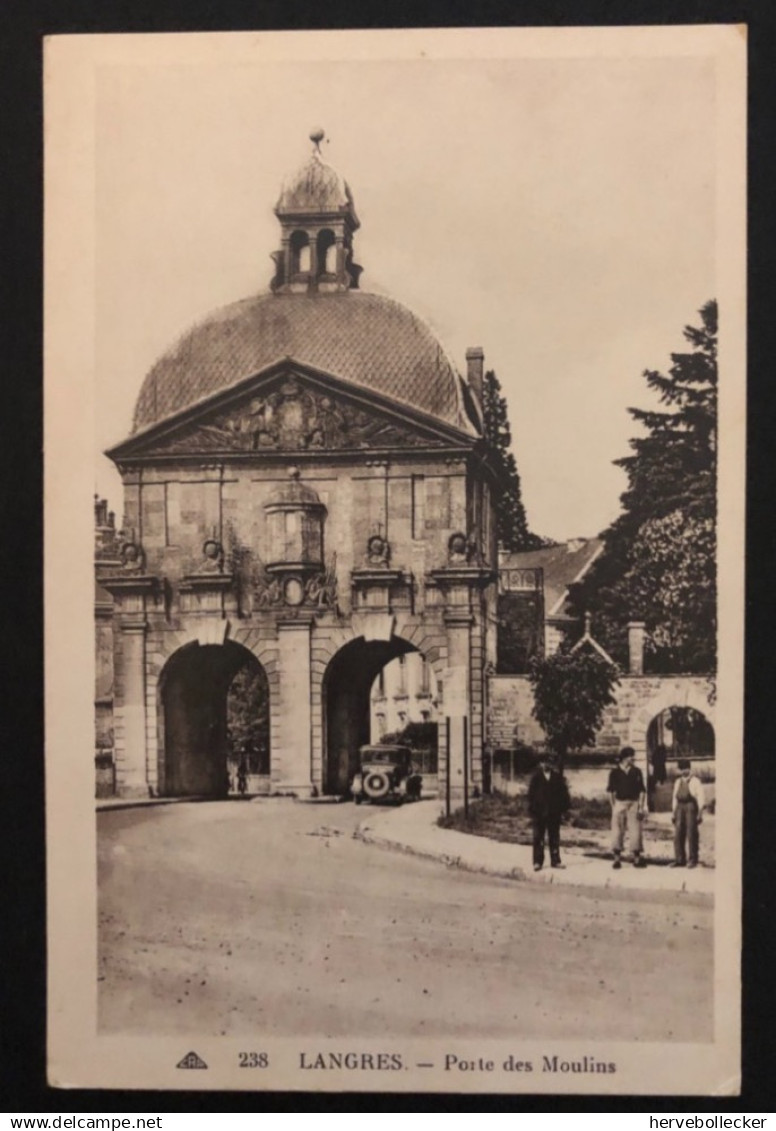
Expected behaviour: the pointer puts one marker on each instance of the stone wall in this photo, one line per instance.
(638, 700)
(416, 504)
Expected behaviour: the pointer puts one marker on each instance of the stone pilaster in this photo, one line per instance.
(340, 261)
(457, 702)
(131, 776)
(313, 258)
(292, 761)
(131, 593)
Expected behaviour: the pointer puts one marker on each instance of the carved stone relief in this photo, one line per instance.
(295, 418)
(318, 591)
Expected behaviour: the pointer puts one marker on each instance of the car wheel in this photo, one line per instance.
(377, 784)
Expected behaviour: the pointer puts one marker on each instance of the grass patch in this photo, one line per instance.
(504, 818)
(590, 813)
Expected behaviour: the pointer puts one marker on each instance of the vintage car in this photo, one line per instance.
(386, 774)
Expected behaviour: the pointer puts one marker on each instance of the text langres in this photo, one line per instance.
(364, 1061)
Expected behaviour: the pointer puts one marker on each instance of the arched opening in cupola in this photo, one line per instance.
(300, 253)
(327, 252)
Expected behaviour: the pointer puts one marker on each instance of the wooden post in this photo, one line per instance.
(465, 722)
(447, 772)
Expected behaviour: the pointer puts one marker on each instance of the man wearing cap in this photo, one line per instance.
(628, 797)
(687, 810)
(548, 800)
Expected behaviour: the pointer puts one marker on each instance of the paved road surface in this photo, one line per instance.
(269, 917)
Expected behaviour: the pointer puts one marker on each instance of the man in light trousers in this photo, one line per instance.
(628, 797)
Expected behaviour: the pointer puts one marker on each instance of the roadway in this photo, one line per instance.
(240, 917)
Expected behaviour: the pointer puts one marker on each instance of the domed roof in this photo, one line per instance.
(293, 493)
(316, 187)
(371, 341)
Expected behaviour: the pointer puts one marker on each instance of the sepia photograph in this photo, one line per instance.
(395, 432)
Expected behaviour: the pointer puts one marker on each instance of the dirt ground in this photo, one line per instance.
(269, 917)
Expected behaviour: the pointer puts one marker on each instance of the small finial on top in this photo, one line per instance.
(588, 623)
(316, 137)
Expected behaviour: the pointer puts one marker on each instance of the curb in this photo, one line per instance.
(106, 805)
(606, 890)
(368, 837)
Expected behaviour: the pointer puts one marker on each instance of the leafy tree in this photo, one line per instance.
(423, 739)
(659, 558)
(512, 525)
(418, 736)
(247, 712)
(520, 631)
(571, 690)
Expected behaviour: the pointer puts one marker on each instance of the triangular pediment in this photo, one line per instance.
(290, 411)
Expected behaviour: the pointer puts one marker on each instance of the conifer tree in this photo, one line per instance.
(659, 559)
(512, 525)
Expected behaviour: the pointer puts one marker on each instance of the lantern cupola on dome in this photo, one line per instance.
(317, 221)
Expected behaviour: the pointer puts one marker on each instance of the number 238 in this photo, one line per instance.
(253, 1060)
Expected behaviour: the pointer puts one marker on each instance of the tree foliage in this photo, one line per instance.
(571, 690)
(418, 736)
(520, 631)
(247, 712)
(512, 525)
(659, 558)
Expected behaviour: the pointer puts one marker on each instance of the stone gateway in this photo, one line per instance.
(307, 497)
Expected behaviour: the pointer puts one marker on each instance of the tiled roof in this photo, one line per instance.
(562, 564)
(364, 338)
(315, 188)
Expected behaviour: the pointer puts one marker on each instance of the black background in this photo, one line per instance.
(22, 1004)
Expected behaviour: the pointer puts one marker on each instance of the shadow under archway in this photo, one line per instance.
(346, 695)
(674, 733)
(193, 731)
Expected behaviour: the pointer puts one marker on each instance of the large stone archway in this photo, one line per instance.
(346, 687)
(192, 716)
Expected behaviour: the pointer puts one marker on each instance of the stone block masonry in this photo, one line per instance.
(639, 699)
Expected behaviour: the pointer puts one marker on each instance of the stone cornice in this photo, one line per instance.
(129, 584)
(378, 576)
(475, 576)
(202, 582)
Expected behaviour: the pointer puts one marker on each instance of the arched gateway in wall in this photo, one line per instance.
(306, 482)
(195, 745)
(346, 698)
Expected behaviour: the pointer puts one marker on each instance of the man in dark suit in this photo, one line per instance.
(548, 801)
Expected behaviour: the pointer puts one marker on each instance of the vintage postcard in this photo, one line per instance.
(394, 576)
